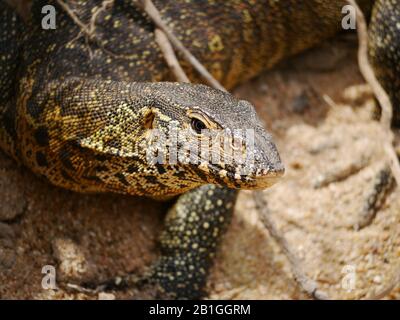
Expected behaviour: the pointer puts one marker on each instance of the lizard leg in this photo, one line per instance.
(193, 229)
(382, 185)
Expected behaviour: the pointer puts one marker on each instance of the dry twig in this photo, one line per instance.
(307, 284)
(155, 16)
(170, 56)
(89, 30)
(381, 95)
(387, 111)
(74, 17)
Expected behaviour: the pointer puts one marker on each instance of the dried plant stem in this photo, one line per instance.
(387, 112)
(89, 30)
(383, 98)
(170, 56)
(307, 284)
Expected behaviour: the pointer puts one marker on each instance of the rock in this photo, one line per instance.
(7, 246)
(13, 202)
(106, 296)
(73, 264)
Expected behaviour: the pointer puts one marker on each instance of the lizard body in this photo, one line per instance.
(77, 110)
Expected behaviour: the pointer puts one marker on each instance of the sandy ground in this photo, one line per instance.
(323, 119)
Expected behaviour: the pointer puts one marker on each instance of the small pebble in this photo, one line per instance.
(73, 264)
(106, 296)
(377, 279)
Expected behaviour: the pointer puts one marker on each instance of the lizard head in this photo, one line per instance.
(202, 135)
(156, 139)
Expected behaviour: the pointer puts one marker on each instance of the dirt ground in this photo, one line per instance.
(323, 119)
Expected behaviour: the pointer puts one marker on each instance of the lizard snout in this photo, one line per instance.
(265, 178)
(268, 167)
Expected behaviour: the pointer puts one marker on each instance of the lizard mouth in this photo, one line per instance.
(267, 178)
(256, 180)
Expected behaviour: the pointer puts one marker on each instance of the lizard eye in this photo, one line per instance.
(197, 125)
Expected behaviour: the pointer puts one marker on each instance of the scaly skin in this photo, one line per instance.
(78, 111)
(384, 49)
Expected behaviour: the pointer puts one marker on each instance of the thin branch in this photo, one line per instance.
(155, 16)
(170, 56)
(81, 289)
(84, 28)
(387, 111)
(105, 4)
(366, 69)
(307, 284)
(89, 30)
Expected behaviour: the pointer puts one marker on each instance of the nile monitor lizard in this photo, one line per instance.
(79, 110)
